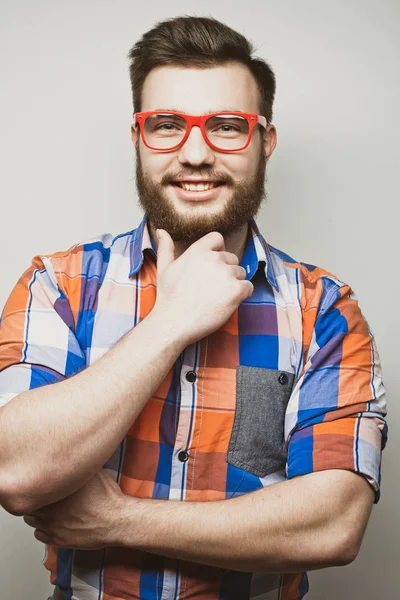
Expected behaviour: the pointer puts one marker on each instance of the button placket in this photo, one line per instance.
(181, 455)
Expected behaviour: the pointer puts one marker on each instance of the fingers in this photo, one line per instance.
(31, 521)
(246, 286)
(239, 272)
(41, 536)
(249, 287)
(228, 257)
(213, 241)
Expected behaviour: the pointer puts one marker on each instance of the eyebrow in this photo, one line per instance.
(204, 113)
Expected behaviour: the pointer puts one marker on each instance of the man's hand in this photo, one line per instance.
(88, 519)
(199, 291)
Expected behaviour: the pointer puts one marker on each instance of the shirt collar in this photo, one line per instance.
(256, 251)
(141, 241)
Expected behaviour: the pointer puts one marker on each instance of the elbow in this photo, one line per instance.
(344, 558)
(15, 504)
(14, 507)
(23, 495)
(346, 549)
(326, 552)
(334, 549)
(347, 554)
(13, 498)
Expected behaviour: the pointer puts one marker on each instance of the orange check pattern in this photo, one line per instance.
(70, 307)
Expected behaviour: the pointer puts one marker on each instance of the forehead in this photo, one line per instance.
(198, 91)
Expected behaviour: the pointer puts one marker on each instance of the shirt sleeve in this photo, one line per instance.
(336, 412)
(38, 345)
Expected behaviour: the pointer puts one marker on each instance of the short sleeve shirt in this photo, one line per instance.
(291, 384)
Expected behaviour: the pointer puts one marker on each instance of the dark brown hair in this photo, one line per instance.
(201, 42)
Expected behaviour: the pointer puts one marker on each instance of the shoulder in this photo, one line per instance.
(315, 285)
(86, 259)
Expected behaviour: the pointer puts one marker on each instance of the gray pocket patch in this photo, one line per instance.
(257, 440)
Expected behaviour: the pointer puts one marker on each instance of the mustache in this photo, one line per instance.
(182, 176)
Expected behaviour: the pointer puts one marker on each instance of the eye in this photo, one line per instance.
(228, 128)
(166, 126)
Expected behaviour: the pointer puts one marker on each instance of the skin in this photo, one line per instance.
(323, 514)
(196, 92)
(247, 533)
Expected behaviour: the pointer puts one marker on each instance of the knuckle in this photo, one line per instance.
(233, 259)
(240, 272)
(215, 237)
(218, 236)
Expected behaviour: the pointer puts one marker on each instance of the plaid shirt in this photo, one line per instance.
(291, 384)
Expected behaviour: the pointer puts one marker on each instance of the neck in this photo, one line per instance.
(235, 242)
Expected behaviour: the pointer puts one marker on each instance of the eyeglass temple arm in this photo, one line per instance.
(262, 121)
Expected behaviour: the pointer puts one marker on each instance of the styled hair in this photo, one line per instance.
(201, 42)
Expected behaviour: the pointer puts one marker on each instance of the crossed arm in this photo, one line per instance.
(309, 522)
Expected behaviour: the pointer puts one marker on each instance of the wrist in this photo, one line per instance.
(125, 524)
(167, 328)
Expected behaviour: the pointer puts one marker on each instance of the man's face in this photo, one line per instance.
(195, 92)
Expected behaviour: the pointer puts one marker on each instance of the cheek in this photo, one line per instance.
(240, 166)
(156, 166)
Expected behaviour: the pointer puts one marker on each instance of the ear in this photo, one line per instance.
(269, 140)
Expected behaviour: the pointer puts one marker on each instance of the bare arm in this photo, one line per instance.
(310, 522)
(54, 438)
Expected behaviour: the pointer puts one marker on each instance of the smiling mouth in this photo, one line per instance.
(197, 187)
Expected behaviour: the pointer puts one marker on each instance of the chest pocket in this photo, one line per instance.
(257, 440)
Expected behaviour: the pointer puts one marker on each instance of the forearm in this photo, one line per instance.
(54, 438)
(292, 526)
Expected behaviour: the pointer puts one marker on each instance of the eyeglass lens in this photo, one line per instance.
(228, 132)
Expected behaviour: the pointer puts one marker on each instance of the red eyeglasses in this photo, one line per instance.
(224, 131)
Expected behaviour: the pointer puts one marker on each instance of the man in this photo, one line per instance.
(215, 418)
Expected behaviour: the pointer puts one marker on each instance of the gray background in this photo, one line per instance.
(68, 165)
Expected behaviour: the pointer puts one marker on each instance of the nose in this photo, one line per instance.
(195, 150)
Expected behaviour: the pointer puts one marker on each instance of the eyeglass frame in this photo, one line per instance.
(199, 121)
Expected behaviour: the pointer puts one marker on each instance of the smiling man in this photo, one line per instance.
(188, 412)
(213, 179)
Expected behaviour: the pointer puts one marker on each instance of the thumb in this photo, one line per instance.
(165, 250)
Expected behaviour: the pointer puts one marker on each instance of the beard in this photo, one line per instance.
(242, 206)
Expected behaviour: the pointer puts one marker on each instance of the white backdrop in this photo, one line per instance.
(67, 168)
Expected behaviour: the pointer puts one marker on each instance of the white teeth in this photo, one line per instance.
(197, 187)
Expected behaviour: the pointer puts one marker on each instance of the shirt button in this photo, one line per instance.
(183, 456)
(191, 376)
(283, 379)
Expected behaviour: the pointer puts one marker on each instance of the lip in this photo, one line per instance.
(199, 196)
